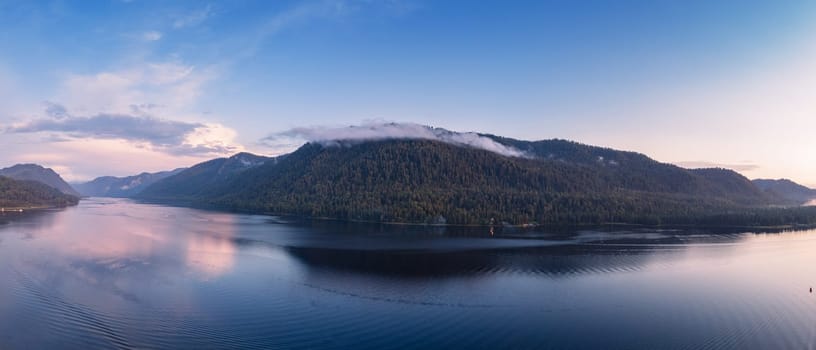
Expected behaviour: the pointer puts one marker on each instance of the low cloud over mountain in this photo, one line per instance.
(384, 131)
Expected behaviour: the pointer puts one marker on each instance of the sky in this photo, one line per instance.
(117, 87)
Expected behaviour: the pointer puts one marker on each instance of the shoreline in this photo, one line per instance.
(579, 226)
(20, 209)
(31, 208)
(553, 226)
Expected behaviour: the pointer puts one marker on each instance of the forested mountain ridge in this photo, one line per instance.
(193, 182)
(27, 194)
(34, 172)
(786, 189)
(637, 171)
(426, 181)
(111, 186)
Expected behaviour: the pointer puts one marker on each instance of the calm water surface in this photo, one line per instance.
(116, 274)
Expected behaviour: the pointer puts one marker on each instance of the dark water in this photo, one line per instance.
(115, 274)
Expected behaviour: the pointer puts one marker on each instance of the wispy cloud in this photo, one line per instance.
(703, 164)
(193, 18)
(151, 35)
(172, 85)
(316, 10)
(146, 105)
(372, 131)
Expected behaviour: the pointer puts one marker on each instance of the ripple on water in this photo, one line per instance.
(293, 286)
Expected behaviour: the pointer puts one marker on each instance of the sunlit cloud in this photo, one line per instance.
(142, 111)
(209, 138)
(756, 102)
(170, 136)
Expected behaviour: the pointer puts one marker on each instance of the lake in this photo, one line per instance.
(113, 273)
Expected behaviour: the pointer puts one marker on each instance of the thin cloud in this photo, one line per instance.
(325, 10)
(198, 150)
(169, 136)
(171, 85)
(113, 126)
(194, 18)
(143, 109)
(151, 36)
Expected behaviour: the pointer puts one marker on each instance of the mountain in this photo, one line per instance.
(34, 172)
(787, 189)
(110, 186)
(636, 171)
(27, 194)
(198, 179)
(429, 181)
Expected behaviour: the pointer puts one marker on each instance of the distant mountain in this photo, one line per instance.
(636, 171)
(110, 186)
(198, 179)
(429, 181)
(34, 172)
(27, 194)
(787, 189)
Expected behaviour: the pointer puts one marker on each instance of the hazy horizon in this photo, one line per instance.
(122, 87)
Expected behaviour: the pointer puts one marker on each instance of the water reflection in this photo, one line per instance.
(116, 274)
(553, 262)
(213, 254)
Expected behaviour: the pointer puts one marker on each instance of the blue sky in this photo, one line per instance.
(86, 84)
